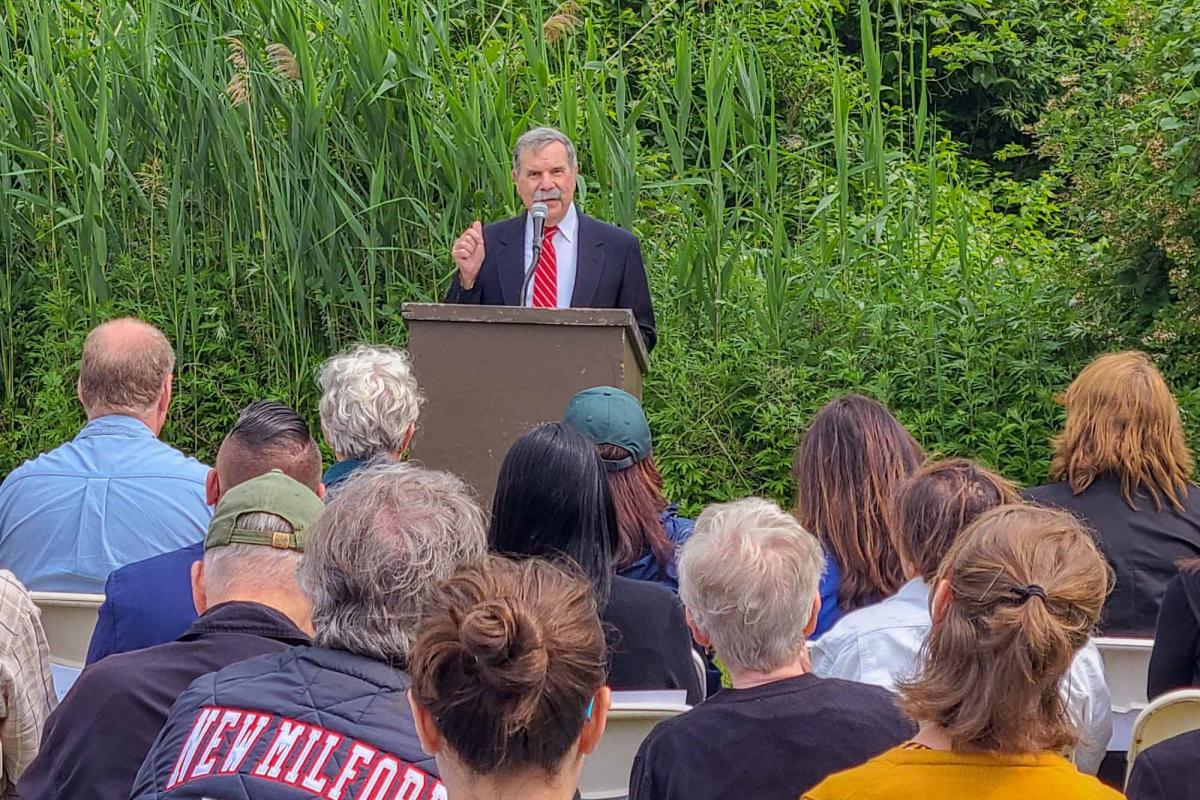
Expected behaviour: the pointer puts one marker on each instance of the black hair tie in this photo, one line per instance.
(1032, 590)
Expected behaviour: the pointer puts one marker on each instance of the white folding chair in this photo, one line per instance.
(606, 771)
(68, 620)
(1126, 667)
(1170, 715)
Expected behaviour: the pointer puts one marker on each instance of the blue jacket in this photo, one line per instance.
(678, 529)
(306, 723)
(146, 603)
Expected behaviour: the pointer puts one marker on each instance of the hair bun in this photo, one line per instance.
(506, 648)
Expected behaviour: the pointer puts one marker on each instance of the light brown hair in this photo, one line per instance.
(1122, 420)
(932, 507)
(991, 666)
(638, 498)
(125, 362)
(846, 468)
(508, 662)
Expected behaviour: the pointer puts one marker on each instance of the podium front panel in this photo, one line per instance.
(489, 374)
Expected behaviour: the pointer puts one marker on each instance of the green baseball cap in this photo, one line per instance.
(607, 415)
(272, 493)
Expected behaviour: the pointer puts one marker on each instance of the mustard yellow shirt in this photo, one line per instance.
(909, 773)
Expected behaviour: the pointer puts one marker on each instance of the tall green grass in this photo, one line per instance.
(269, 179)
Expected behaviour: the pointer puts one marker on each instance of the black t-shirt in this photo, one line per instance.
(1142, 546)
(1175, 662)
(649, 642)
(771, 742)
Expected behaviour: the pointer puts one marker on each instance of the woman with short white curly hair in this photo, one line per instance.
(369, 406)
(749, 578)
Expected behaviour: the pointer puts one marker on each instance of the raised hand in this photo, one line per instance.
(468, 254)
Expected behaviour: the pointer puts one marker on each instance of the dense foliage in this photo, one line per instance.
(911, 200)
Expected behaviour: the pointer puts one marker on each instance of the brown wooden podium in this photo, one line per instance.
(490, 373)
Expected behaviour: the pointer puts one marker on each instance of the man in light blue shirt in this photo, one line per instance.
(114, 494)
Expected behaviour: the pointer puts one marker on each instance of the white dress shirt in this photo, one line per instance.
(566, 251)
(881, 644)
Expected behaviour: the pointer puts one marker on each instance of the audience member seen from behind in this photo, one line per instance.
(749, 578)
(149, 602)
(333, 716)
(1175, 661)
(846, 467)
(369, 407)
(114, 494)
(26, 685)
(1122, 465)
(649, 528)
(1016, 597)
(553, 501)
(247, 591)
(881, 644)
(508, 681)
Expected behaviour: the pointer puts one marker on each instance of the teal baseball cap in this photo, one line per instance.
(608, 415)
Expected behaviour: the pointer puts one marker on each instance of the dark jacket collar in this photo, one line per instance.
(244, 617)
(510, 240)
(373, 671)
(341, 470)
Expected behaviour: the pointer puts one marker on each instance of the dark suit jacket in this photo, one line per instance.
(1167, 771)
(608, 274)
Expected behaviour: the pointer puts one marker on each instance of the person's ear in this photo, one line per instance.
(320, 491)
(79, 391)
(199, 598)
(813, 618)
(165, 400)
(593, 729)
(427, 733)
(701, 638)
(408, 437)
(939, 604)
(212, 487)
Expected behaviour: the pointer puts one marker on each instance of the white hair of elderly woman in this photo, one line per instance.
(384, 542)
(748, 576)
(369, 400)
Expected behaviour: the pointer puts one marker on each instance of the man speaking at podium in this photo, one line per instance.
(581, 262)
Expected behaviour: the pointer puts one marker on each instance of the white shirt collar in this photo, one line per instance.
(568, 228)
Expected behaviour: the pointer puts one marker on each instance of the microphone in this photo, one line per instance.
(537, 212)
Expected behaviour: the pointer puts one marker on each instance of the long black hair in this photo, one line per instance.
(552, 500)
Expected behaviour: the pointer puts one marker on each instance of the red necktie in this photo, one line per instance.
(545, 276)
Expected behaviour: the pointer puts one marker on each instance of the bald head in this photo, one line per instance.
(126, 369)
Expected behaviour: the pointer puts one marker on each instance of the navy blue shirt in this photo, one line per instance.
(647, 568)
(146, 603)
(96, 739)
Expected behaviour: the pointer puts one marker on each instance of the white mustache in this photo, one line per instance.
(553, 194)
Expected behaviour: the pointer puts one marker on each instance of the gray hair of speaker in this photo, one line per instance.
(538, 138)
(369, 398)
(748, 576)
(237, 569)
(390, 535)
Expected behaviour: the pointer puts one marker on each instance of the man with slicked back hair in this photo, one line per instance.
(149, 602)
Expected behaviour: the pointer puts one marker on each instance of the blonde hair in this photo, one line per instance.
(1122, 419)
(1026, 588)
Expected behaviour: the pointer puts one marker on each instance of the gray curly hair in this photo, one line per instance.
(369, 398)
(383, 544)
